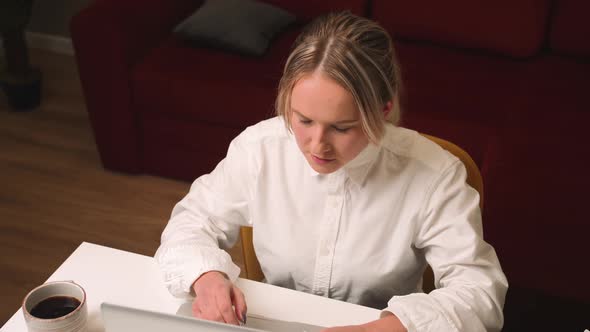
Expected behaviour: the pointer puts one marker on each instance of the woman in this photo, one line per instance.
(344, 204)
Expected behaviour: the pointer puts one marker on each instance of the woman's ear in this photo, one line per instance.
(387, 108)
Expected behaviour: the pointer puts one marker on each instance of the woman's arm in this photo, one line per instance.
(388, 323)
(207, 219)
(470, 284)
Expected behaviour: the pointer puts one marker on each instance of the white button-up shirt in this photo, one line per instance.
(363, 234)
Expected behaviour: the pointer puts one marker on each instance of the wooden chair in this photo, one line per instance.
(474, 179)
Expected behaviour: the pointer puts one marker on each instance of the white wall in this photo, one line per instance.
(52, 17)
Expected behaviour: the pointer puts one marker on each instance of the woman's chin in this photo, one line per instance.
(323, 166)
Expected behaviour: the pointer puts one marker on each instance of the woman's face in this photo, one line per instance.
(326, 123)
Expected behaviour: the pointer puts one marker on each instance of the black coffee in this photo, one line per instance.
(55, 306)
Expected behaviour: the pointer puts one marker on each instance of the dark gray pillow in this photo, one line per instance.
(242, 26)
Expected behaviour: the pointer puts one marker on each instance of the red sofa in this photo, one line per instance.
(506, 80)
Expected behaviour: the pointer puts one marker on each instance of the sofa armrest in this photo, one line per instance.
(109, 38)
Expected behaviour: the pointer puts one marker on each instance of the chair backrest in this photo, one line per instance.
(474, 179)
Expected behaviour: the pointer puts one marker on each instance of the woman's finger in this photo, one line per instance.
(239, 301)
(225, 309)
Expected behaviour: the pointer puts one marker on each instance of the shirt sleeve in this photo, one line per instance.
(206, 221)
(470, 285)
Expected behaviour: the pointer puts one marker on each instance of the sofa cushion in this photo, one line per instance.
(307, 10)
(510, 27)
(454, 85)
(570, 28)
(537, 183)
(243, 26)
(536, 204)
(456, 95)
(180, 149)
(209, 85)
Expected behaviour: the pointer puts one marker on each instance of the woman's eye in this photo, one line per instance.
(340, 130)
(305, 122)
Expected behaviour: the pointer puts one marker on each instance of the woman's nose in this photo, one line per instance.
(321, 140)
(319, 135)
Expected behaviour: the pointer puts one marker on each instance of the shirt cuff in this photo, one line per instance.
(193, 272)
(416, 313)
(183, 265)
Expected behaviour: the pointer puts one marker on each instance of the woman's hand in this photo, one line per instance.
(218, 299)
(353, 328)
(388, 323)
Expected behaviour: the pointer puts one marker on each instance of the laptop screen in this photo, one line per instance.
(119, 318)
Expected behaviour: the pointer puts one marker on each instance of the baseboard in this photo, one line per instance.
(52, 43)
(57, 44)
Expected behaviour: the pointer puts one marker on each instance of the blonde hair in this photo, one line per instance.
(355, 52)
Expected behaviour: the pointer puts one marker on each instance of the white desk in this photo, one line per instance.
(116, 276)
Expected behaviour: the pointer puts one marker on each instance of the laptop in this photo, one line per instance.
(119, 318)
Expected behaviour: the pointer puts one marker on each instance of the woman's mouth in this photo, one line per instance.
(321, 161)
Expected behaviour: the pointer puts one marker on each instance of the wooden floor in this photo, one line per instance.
(54, 193)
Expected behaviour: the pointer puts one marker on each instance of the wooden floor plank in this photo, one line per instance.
(54, 193)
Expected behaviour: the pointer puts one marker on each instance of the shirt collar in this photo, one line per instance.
(356, 169)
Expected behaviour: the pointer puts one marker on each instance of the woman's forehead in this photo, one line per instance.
(318, 96)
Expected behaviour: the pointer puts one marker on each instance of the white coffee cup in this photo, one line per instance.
(56, 318)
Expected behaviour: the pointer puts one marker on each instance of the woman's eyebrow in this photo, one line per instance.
(299, 113)
(352, 121)
(347, 121)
